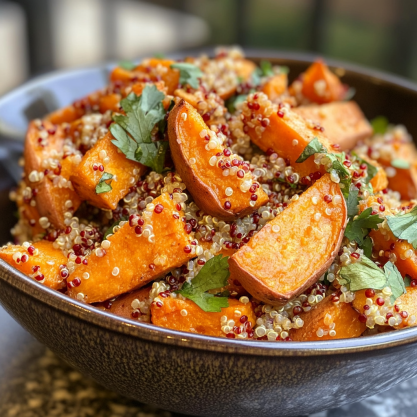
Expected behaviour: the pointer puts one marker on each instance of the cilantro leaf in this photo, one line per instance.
(407, 281)
(132, 131)
(312, 148)
(189, 73)
(379, 124)
(371, 169)
(394, 281)
(212, 275)
(266, 68)
(358, 228)
(352, 203)
(109, 231)
(343, 172)
(103, 186)
(127, 65)
(404, 226)
(367, 247)
(366, 274)
(400, 163)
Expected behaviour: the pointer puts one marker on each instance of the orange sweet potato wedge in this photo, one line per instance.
(215, 193)
(343, 122)
(172, 316)
(85, 178)
(122, 305)
(40, 260)
(292, 251)
(131, 260)
(326, 316)
(275, 86)
(288, 136)
(53, 195)
(320, 85)
(404, 181)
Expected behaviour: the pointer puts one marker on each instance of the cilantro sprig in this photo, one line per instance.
(104, 184)
(189, 73)
(358, 229)
(366, 274)
(132, 131)
(127, 65)
(400, 163)
(212, 275)
(313, 147)
(372, 170)
(404, 226)
(379, 124)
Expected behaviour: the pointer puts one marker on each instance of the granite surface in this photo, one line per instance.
(35, 383)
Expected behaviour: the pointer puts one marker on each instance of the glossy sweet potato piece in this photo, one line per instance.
(52, 195)
(122, 305)
(292, 251)
(320, 85)
(244, 69)
(206, 183)
(288, 136)
(275, 86)
(404, 181)
(132, 260)
(85, 178)
(343, 122)
(327, 315)
(45, 261)
(196, 320)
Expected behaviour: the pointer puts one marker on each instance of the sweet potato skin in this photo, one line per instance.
(197, 320)
(343, 122)
(47, 253)
(85, 178)
(341, 314)
(206, 183)
(135, 257)
(277, 265)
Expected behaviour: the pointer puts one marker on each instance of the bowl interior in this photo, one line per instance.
(376, 93)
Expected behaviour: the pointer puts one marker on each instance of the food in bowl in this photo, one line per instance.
(213, 196)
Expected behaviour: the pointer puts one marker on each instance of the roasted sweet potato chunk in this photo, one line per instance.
(343, 122)
(320, 85)
(222, 196)
(288, 134)
(292, 251)
(85, 178)
(275, 86)
(186, 316)
(40, 260)
(131, 260)
(326, 317)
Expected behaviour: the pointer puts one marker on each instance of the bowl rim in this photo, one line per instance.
(150, 332)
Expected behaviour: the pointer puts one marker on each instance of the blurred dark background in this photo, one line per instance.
(37, 36)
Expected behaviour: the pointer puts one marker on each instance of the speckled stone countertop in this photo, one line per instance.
(35, 383)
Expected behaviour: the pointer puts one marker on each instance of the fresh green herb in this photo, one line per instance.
(266, 68)
(379, 124)
(313, 147)
(367, 247)
(366, 274)
(212, 275)
(407, 281)
(133, 131)
(189, 73)
(343, 172)
(162, 125)
(349, 94)
(233, 101)
(159, 55)
(283, 69)
(352, 203)
(400, 163)
(358, 229)
(127, 65)
(371, 169)
(404, 226)
(109, 231)
(104, 185)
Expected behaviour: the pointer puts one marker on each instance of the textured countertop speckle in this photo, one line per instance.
(35, 383)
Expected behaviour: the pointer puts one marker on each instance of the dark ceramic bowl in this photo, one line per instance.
(196, 374)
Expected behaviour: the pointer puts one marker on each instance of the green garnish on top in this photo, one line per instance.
(404, 226)
(379, 124)
(127, 65)
(104, 184)
(366, 274)
(214, 274)
(133, 130)
(189, 73)
(358, 229)
(313, 147)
